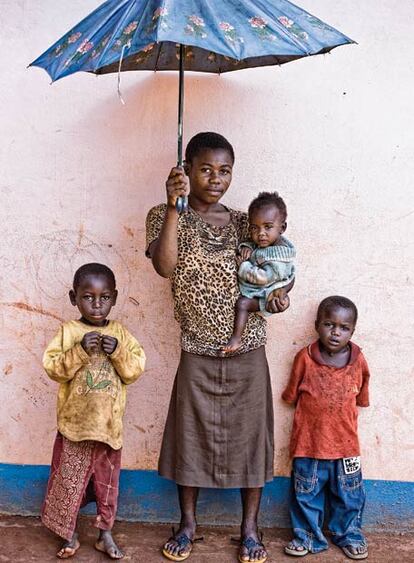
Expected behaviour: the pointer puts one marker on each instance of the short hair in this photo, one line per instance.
(269, 198)
(207, 140)
(333, 302)
(92, 269)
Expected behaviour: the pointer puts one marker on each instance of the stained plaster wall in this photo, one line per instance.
(79, 171)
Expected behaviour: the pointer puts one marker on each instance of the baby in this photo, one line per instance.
(265, 264)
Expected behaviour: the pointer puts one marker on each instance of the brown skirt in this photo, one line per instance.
(219, 428)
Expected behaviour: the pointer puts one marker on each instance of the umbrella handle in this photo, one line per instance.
(181, 204)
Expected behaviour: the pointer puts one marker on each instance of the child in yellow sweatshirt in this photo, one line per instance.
(93, 359)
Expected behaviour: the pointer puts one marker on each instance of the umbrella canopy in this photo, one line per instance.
(222, 36)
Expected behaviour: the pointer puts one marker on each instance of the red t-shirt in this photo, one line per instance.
(325, 425)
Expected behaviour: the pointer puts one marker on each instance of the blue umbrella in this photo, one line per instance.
(195, 35)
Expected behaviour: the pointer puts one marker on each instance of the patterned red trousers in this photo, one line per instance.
(81, 472)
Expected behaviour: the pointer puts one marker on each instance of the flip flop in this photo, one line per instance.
(183, 542)
(99, 547)
(351, 555)
(67, 551)
(290, 549)
(250, 544)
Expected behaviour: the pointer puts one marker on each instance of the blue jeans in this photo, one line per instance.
(315, 480)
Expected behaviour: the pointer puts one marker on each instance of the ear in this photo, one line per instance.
(187, 167)
(316, 325)
(72, 297)
(283, 227)
(114, 297)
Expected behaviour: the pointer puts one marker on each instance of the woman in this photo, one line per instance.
(219, 430)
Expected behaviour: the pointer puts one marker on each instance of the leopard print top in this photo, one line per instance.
(204, 282)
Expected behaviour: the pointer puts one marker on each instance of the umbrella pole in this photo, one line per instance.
(182, 202)
(180, 108)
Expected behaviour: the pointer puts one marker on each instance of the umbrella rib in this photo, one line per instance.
(114, 33)
(283, 30)
(162, 6)
(158, 56)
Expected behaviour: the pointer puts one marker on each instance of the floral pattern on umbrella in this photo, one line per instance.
(230, 33)
(159, 18)
(261, 29)
(83, 49)
(125, 38)
(195, 26)
(145, 53)
(293, 28)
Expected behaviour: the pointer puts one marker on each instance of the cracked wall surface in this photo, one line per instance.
(79, 171)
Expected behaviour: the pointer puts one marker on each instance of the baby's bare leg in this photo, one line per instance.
(244, 306)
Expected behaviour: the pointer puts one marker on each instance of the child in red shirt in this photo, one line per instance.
(329, 380)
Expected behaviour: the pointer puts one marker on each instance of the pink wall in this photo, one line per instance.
(333, 134)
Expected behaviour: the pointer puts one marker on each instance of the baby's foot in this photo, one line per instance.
(69, 548)
(232, 345)
(106, 544)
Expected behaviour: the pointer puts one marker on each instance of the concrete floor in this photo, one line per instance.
(24, 539)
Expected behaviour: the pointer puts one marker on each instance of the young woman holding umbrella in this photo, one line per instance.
(219, 429)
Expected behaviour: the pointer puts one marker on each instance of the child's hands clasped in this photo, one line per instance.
(178, 185)
(109, 343)
(92, 342)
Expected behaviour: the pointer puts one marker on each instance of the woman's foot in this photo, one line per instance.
(69, 548)
(296, 549)
(106, 544)
(252, 549)
(232, 345)
(356, 552)
(180, 544)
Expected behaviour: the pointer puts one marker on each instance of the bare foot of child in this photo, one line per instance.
(106, 544)
(232, 345)
(69, 548)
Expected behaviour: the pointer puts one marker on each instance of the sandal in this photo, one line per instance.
(291, 549)
(183, 542)
(68, 549)
(249, 544)
(351, 555)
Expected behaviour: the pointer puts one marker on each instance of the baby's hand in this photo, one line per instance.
(109, 343)
(244, 254)
(260, 260)
(278, 301)
(91, 342)
(178, 185)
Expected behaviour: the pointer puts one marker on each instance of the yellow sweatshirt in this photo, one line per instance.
(92, 391)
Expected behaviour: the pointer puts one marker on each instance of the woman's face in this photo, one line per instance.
(210, 174)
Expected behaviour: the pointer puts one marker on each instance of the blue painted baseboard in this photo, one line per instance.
(146, 497)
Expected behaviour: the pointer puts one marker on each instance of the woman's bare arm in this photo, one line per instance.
(164, 250)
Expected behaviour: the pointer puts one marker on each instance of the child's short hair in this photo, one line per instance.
(93, 269)
(207, 140)
(269, 198)
(333, 302)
